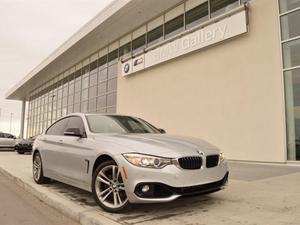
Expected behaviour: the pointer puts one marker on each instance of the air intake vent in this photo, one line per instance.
(190, 163)
(212, 161)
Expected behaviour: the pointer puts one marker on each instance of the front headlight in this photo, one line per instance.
(221, 157)
(147, 161)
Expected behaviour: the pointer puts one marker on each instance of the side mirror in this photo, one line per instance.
(162, 131)
(74, 132)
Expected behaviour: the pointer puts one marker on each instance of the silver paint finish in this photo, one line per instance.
(65, 159)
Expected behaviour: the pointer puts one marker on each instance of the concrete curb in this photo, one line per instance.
(75, 212)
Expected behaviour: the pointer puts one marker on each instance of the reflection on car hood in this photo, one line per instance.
(162, 144)
(24, 142)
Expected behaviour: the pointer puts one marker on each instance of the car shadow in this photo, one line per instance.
(181, 206)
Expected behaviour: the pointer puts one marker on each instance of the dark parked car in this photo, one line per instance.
(24, 145)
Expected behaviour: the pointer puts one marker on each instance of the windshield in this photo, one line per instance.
(119, 124)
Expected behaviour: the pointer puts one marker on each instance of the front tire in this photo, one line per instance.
(37, 170)
(108, 188)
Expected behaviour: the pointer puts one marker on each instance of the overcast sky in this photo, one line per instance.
(30, 30)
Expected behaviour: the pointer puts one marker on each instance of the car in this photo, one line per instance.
(7, 140)
(125, 160)
(24, 145)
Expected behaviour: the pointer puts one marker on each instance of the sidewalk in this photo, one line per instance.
(257, 194)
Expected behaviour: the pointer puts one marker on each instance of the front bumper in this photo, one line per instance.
(171, 182)
(159, 190)
(24, 147)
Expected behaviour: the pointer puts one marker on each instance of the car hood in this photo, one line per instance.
(161, 144)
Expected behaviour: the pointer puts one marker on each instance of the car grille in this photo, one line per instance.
(212, 161)
(190, 163)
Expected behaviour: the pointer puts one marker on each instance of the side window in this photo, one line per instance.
(76, 122)
(1, 135)
(10, 136)
(58, 128)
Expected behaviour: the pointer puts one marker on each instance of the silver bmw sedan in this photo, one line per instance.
(124, 160)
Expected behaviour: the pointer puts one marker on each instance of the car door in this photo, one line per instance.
(10, 140)
(51, 148)
(2, 140)
(75, 154)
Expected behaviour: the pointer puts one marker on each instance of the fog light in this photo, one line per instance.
(145, 188)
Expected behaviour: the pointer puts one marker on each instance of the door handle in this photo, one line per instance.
(60, 141)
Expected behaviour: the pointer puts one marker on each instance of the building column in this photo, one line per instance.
(23, 119)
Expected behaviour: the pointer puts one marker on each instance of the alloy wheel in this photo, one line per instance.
(37, 167)
(110, 188)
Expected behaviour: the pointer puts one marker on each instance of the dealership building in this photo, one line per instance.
(227, 71)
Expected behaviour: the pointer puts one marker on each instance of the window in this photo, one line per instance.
(138, 43)
(84, 106)
(113, 71)
(290, 25)
(102, 75)
(85, 82)
(93, 65)
(292, 95)
(291, 53)
(77, 107)
(101, 102)
(174, 26)
(287, 5)
(70, 109)
(155, 35)
(71, 87)
(71, 99)
(196, 15)
(113, 55)
(78, 84)
(58, 128)
(93, 79)
(102, 88)
(102, 61)
(75, 122)
(155, 31)
(218, 7)
(84, 95)
(112, 85)
(92, 92)
(78, 73)
(118, 124)
(125, 49)
(92, 105)
(112, 99)
(86, 69)
(77, 97)
(64, 103)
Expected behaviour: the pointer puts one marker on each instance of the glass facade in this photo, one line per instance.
(91, 85)
(290, 37)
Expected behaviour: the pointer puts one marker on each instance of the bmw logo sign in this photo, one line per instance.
(126, 68)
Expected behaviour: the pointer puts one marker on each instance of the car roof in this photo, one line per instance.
(91, 114)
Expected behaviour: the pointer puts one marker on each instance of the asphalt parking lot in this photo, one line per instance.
(257, 194)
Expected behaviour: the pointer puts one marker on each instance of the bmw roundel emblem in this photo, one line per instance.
(126, 68)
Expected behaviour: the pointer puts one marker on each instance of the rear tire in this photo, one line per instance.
(108, 188)
(37, 170)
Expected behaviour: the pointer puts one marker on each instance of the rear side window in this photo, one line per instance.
(76, 122)
(58, 128)
(10, 136)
